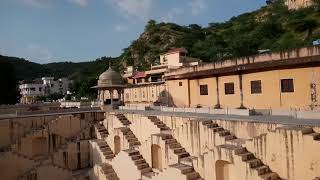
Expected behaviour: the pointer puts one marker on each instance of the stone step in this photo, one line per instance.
(206, 122)
(174, 145)
(229, 137)
(136, 157)
(263, 169)
(246, 156)
(182, 154)
(179, 150)
(170, 141)
(217, 129)
(133, 152)
(193, 175)
(142, 166)
(139, 161)
(164, 128)
(213, 125)
(110, 156)
(253, 163)
(270, 176)
(316, 136)
(224, 133)
(146, 170)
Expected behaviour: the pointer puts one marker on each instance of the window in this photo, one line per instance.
(287, 85)
(40, 89)
(52, 85)
(228, 88)
(180, 83)
(33, 89)
(256, 87)
(203, 89)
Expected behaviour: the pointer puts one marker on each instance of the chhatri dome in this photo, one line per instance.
(110, 78)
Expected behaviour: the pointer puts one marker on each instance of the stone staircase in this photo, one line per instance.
(130, 137)
(103, 132)
(141, 164)
(220, 130)
(174, 145)
(188, 171)
(123, 119)
(309, 132)
(263, 171)
(109, 172)
(156, 121)
(105, 149)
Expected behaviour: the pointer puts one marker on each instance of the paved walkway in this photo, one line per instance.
(262, 119)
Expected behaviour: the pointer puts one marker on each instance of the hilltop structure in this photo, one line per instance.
(296, 4)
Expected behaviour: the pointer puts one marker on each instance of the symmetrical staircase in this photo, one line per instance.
(156, 121)
(122, 118)
(130, 137)
(141, 163)
(105, 149)
(109, 172)
(247, 157)
(188, 171)
(175, 146)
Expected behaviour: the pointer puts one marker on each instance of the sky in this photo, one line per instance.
(45, 31)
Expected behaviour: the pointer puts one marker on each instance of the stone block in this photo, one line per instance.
(203, 110)
(218, 111)
(308, 115)
(240, 112)
(190, 110)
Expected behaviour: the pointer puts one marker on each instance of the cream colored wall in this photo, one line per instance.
(209, 100)
(272, 97)
(143, 94)
(229, 100)
(288, 152)
(296, 4)
(173, 59)
(178, 95)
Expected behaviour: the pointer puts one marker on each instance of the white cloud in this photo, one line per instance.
(172, 14)
(38, 3)
(82, 3)
(136, 8)
(38, 52)
(120, 28)
(198, 6)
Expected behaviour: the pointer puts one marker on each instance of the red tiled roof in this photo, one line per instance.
(139, 75)
(177, 50)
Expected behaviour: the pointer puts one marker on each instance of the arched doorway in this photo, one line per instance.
(156, 156)
(222, 170)
(117, 144)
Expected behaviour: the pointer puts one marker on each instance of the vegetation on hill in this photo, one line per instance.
(271, 27)
(8, 91)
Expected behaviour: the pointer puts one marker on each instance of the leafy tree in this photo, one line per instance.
(9, 90)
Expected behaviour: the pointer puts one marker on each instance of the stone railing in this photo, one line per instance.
(207, 110)
(79, 104)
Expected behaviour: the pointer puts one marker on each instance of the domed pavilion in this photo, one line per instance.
(110, 82)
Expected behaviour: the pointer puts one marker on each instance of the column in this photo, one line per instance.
(103, 97)
(241, 92)
(111, 96)
(217, 106)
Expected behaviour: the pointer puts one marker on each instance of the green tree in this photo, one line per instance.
(9, 89)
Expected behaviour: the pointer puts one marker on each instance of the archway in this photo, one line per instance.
(117, 144)
(156, 156)
(222, 170)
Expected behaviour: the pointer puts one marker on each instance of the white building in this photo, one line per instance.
(30, 91)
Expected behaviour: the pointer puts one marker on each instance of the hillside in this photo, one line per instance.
(271, 27)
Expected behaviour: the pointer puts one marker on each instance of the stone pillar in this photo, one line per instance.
(103, 96)
(241, 92)
(217, 106)
(111, 96)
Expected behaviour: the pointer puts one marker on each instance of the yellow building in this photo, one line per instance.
(283, 80)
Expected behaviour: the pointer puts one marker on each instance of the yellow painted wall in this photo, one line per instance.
(209, 100)
(178, 95)
(229, 100)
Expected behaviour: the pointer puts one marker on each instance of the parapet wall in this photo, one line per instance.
(265, 57)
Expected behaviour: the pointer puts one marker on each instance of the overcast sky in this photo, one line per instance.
(81, 30)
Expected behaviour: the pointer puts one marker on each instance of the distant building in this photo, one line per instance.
(149, 87)
(296, 4)
(31, 90)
